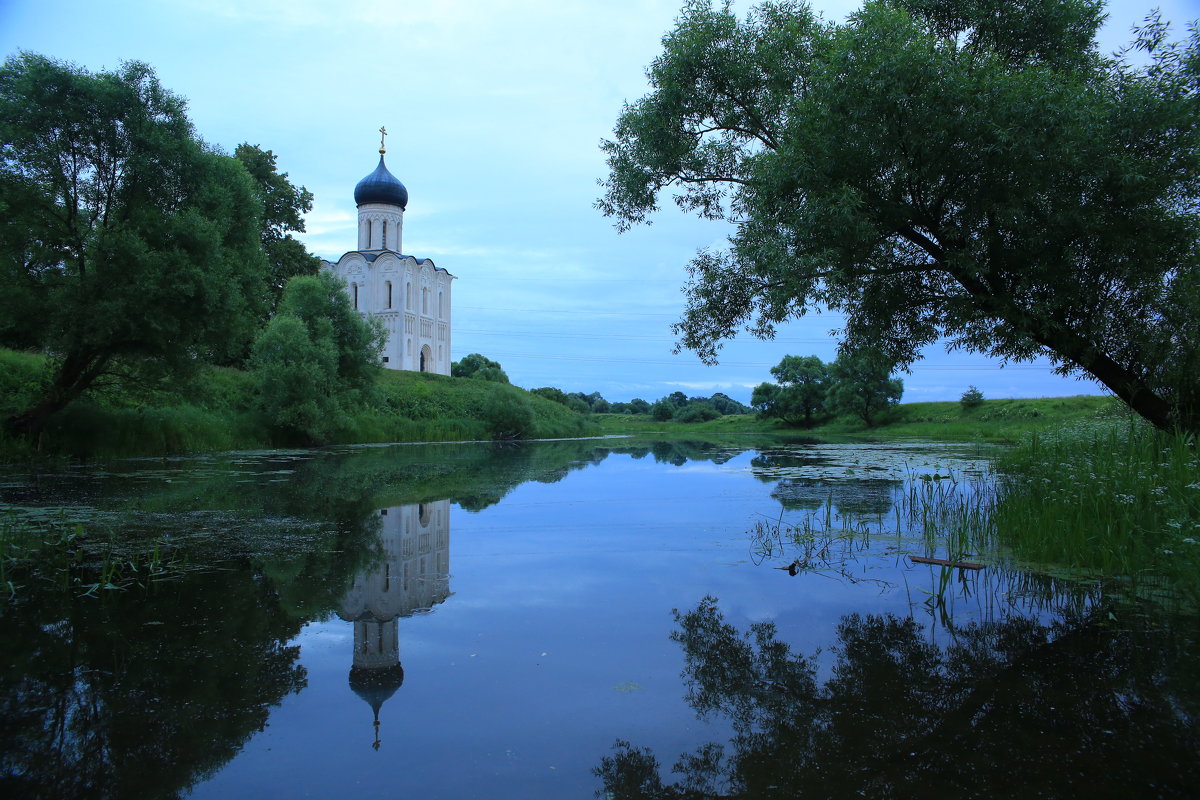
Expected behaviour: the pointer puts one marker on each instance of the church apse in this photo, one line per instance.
(412, 577)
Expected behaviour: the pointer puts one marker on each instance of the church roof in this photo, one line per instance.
(370, 256)
(376, 685)
(381, 186)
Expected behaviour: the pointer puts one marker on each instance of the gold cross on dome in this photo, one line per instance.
(382, 134)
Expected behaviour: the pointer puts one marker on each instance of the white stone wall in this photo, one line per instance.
(412, 297)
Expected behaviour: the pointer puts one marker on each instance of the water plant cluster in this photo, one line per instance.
(1114, 500)
(1107, 502)
(50, 548)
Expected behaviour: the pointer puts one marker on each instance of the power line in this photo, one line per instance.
(607, 336)
(758, 364)
(823, 315)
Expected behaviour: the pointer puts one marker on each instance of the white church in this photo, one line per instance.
(410, 295)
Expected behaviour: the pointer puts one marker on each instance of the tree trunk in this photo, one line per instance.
(75, 374)
(1117, 378)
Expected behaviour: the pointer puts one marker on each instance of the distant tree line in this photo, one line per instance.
(676, 406)
(807, 390)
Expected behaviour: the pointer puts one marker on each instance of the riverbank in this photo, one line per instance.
(215, 410)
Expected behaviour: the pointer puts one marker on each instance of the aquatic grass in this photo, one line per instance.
(813, 544)
(48, 547)
(1122, 501)
(1107, 503)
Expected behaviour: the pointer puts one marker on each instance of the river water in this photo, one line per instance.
(566, 620)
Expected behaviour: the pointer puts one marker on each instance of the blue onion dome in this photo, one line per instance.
(381, 186)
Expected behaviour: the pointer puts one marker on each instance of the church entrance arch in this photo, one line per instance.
(426, 359)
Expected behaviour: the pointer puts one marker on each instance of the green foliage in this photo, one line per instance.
(125, 241)
(284, 206)
(321, 302)
(1104, 499)
(662, 410)
(861, 385)
(217, 409)
(725, 404)
(22, 380)
(588, 403)
(509, 416)
(697, 412)
(550, 393)
(933, 169)
(801, 384)
(971, 398)
(296, 378)
(316, 358)
(478, 367)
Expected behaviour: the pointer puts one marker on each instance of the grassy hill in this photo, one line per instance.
(214, 409)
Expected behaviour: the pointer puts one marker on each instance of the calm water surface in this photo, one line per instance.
(569, 620)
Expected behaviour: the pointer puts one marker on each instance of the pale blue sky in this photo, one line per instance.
(494, 112)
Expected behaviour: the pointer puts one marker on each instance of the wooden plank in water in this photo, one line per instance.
(941, 562)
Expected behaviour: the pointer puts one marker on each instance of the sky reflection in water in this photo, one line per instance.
(552, 639)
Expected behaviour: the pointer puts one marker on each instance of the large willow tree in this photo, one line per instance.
(969, 169)
(126, 244)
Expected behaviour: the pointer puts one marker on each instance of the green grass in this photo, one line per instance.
(1005, 421)
(213, 410)
(1105, 500)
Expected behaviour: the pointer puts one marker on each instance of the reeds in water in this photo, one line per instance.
(52, 549)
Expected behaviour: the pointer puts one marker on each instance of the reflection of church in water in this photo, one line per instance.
(413, 577)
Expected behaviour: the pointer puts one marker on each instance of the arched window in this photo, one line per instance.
(408, 295)
(441, 305)
(424, 300)
(384, 245)
(368, 234)
(354, 286)
(389, 294)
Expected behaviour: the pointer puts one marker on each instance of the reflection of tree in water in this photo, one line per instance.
(1010, 709)
(860, 498)
(139, 694)
(768, 465)
(678, 452)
